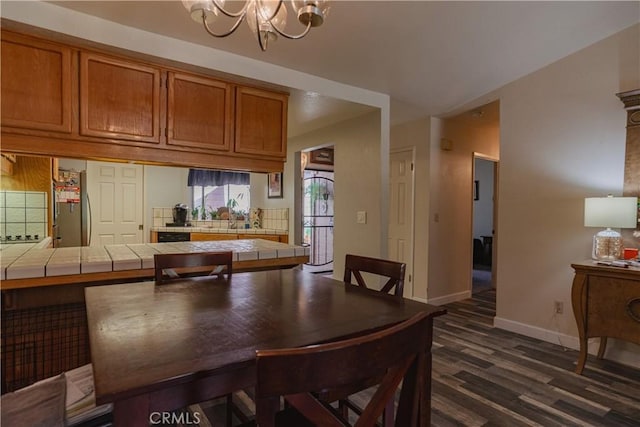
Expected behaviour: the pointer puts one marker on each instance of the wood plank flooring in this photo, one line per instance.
(483, 376)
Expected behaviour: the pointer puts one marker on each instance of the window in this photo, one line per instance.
(213, 189)
(235, 196)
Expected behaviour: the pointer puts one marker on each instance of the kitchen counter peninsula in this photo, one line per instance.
(25, 266)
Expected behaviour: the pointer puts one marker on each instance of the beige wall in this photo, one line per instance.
(416, 134)
(451, 202)
(562, 139)
(357, 177)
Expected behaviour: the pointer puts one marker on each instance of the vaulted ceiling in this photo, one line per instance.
(430, 57)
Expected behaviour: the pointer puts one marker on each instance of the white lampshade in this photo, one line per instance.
(613, 212)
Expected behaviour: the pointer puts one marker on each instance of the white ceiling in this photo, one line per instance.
(430, 57)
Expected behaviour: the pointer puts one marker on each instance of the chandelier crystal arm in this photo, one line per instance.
(266, 18)
(221, 35)
(225, 12)
(290, 36)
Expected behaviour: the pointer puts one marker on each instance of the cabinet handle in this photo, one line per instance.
(630, 309)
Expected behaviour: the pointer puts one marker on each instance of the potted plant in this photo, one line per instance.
(213, 213)
(194, 213)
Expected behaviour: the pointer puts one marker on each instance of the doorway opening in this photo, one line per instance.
(318, 209)
(483, 265)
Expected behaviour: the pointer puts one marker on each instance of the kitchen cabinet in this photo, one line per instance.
(260, 122)
(282, 238)
(199, 237)
(77, 100)
(199, 112)
(7, 162)
(37, 84)
(119, 99)
(196, 237)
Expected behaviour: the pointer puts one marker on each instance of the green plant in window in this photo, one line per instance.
(194, 213)
(213, 213)
(232, 204)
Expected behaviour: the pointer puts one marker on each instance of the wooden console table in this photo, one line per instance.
(606, 303)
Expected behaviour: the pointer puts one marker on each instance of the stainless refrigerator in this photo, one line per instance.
(72, 220)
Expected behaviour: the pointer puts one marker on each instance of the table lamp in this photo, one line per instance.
(609, 212)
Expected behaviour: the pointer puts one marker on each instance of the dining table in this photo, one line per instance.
(161, 347)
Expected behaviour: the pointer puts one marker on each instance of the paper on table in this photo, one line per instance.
(79, 384)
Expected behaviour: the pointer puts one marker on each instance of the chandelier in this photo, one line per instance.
(265, 18)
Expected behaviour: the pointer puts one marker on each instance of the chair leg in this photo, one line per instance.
(343, 409)
(387, 414)
(229, 410)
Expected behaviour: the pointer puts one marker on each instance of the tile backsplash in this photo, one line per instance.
(23, 213)
(275, 219)
(272, 219)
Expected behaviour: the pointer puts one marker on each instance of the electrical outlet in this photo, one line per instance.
(361, 217)
(558, 307)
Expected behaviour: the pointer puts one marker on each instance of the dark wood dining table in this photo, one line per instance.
(158, 348)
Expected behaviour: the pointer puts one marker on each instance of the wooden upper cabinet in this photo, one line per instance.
(119, 99)
(199, 112)
(36, 84)
(261, 122)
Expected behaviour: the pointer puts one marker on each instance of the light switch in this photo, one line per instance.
(361, 217)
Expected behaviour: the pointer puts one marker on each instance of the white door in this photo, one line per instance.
(400, 245)
(116, 199)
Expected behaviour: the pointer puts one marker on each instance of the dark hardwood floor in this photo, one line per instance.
(483, 376)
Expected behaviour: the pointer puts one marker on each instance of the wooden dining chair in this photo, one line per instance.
(397, 354)
(394, 273)
(392, 270)
(200, 263)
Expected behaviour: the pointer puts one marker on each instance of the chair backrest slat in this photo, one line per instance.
(194, 263)
(395, 271)
(396, 354)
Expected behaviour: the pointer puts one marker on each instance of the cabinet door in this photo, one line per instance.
(212, 236)
(36, 84)
(198, 112)
(270, 237)
(261, 122)
(119, 99)
(609, 308)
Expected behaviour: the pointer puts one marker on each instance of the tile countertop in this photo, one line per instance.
(28, 261)
(221, 230)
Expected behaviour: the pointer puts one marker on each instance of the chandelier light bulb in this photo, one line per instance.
(266, 18)
(262, 16)
(197, 8)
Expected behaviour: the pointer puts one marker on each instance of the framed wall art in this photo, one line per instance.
(322, 156)
(274, 185)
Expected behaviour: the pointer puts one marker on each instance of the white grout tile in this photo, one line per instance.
(25, 261)
(15, 229)
(36, 214)
(15, 214)
(35, 199)
(286, 253)
(36, 228)
(15, 199)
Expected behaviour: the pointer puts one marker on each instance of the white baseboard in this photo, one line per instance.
(450, 298)
(621, 355)
(619, 351)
